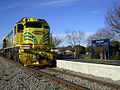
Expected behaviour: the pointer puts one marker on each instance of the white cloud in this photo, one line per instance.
(57, 2)
(38, 4)
(10, 6)
(7, 7)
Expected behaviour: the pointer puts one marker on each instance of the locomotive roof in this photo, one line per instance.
(32, 19)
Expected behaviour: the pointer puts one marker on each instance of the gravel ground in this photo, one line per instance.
(16, 77)
(90, 76)
(94, 86)
(78, 81)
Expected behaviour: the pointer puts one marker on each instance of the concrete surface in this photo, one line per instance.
(100, 70)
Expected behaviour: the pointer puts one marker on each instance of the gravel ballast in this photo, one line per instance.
(16, 77)
(104, 79)
(77, 80)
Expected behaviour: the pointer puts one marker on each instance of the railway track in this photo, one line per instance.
(113, 86)
(67, 83)
(59, 80)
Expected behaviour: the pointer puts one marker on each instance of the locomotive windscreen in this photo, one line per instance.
(33, 25)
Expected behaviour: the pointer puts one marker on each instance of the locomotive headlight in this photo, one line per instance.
(34, 57)
(22, 50)
(51, 50)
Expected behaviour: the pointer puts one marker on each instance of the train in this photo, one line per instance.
(29, 43)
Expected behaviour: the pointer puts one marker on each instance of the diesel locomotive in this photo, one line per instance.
(29, 43)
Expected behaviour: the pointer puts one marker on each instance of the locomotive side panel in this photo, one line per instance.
(10, 39)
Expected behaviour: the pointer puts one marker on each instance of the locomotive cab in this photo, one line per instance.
(34, 32)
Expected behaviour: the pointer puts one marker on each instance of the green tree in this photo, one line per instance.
(114, 49)
(79, 50)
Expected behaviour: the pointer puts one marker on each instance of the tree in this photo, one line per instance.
(102, 33)
(112, 18)
(71, 37)
(56, 40)
(75, 38)
(88, 49)
(114, 48)
(79, 50)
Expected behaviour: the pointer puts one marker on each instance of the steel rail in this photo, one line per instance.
(114, 86)
(58, 80)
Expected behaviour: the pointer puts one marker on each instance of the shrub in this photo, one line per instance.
(116, 57)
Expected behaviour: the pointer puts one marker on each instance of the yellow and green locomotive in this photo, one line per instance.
(29, 43)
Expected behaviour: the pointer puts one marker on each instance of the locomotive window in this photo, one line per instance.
(15, 30)
(33, 25)
(46, 27)
(20, 28)
(4, 40)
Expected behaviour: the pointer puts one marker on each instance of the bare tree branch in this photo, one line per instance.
(102, 33)
(74, 38)
(80, 37)
(56, 40)
(112, 19)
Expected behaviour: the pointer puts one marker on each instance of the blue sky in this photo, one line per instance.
(84, 15)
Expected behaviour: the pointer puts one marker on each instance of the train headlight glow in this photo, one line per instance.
(22, 50)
